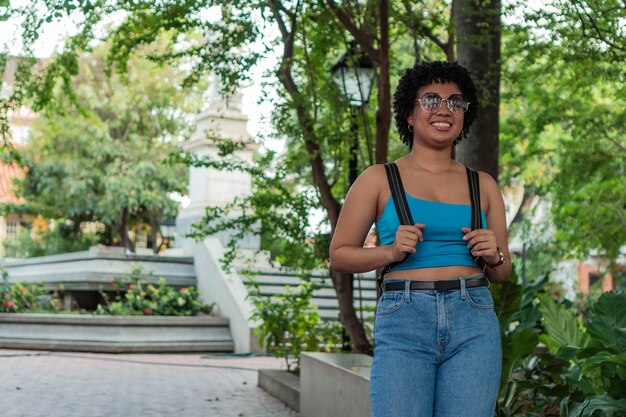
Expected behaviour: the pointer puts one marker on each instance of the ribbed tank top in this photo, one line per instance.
(443, 243)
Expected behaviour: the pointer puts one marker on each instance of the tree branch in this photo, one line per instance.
(320, 180)
(365, 40)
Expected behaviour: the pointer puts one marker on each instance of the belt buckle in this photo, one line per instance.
(441, 286)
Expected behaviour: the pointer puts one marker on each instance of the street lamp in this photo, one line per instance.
(354, 74)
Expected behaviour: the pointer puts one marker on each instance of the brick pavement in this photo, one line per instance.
(65, 384)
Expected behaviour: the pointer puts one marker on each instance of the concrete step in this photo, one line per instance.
(115, 334)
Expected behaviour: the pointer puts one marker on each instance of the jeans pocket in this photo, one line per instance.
(480, 298)
(389, 302)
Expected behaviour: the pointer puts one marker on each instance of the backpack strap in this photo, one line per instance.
(402, 209)
(398, 195)
(477, 221)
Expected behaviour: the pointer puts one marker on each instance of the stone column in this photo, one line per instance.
(209, 187)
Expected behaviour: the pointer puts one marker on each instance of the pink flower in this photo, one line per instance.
(10, 304)
(112, 281)
(131, 287)
(147, 312)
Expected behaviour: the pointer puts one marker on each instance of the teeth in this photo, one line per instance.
(441, 124)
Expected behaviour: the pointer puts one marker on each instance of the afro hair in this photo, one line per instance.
(424, 74)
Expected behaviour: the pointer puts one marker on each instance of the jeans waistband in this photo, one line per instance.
(395, 284)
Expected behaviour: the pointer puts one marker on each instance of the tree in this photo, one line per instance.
(563, 120)
(105, 158)
(477, 29)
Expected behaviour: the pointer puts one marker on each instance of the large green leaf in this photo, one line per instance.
(516, 346)
(608, 323)
(561, 325)
(507, 299)
(593, 404)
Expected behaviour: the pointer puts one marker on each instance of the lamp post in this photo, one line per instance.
(354, 74)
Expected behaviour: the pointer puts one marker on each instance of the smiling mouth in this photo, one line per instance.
(441, 124)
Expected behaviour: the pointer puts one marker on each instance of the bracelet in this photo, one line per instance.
(500, 261)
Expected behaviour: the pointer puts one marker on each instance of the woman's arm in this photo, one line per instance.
(358, 213)
(484, 242)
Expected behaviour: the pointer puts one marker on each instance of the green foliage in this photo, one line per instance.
(593, 370)
(563, 113)
(136, 297)
(4, 14)
(553, 360)
(40, 242)
(19, 297)
(289, 323)
(275, 210)
(108, 151)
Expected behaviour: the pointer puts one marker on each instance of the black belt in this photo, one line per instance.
(442, 285)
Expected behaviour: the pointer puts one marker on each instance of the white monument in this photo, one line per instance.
(207, 186)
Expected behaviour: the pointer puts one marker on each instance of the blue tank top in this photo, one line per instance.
(443, 243)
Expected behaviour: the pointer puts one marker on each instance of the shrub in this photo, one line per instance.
(290, 324)
(136, 297)
(41, 242)
(20, 297)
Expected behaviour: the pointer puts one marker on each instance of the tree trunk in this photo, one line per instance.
(478, 30)
(328, 201)
(123, 230)
(344, 289)
(383, 114)
(155, 217)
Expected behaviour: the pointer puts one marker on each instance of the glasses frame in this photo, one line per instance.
(447, 100)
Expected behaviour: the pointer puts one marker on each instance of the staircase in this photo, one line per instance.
(273, 281)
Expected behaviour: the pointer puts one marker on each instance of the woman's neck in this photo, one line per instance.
(431, 160)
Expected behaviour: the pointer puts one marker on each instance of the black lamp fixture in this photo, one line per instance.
(354, 74)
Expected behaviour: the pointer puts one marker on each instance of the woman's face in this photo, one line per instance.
(437, 126)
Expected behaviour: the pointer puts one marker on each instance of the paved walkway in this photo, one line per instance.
(64, 384)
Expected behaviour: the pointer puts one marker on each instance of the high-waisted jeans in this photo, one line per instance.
(436, 354)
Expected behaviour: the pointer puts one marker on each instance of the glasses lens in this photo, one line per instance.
(457, 103)
(430, 102)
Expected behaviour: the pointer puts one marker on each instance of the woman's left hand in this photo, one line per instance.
(482, 242)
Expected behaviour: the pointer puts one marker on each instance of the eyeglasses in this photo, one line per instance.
(431, 103)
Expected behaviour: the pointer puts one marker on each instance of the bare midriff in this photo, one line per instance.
(434, 274)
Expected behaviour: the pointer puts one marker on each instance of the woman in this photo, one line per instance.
(437, 345)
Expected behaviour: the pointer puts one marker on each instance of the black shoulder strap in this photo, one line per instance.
(402, 207)
(398, 195)
(477, 221)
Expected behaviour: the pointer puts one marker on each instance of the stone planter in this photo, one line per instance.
(281, 384)
(335, 384)
(115, 334)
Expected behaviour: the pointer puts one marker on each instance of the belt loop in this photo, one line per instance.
(407, 290)
(463, 289)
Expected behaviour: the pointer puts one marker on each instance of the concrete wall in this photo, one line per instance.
(88, 270)
(227, 290)
(335, 384)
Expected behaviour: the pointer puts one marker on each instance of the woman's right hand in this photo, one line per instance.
(406, 241)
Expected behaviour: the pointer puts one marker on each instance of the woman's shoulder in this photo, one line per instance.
(487, 182)
(372, 179)
(374, 172)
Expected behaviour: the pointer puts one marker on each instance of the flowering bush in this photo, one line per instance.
(135, 296)
(20, 297)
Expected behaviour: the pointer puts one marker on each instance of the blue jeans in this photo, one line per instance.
(436, 354)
